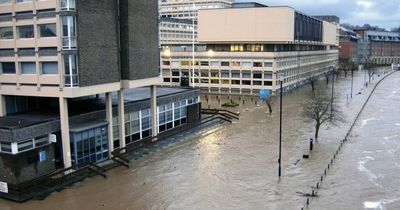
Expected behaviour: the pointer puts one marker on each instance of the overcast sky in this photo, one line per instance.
(384, 13)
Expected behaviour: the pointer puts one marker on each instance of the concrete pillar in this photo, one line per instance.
(153, 110)
(121, 118)
(64, 121)
(3, 110)
(109, 117)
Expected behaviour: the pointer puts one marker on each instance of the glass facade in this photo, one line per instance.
(89, 146)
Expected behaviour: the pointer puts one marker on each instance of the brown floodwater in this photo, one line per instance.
(234, 166)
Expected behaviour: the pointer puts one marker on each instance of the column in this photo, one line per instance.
(121, 118)
(64, 121)
(153, 110)
(3, 110)
(109, 117)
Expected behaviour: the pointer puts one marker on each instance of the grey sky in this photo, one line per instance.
(384, 13)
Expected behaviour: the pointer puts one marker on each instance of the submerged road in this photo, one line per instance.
(235, 166)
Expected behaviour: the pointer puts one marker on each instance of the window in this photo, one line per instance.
(22, 1)
(26, 145)
(47, 30)
(6, 33)
(257, 83)
(68, 32)
(224, 63)
(7, 67)
(235, 82)
(204, 63)
(246, 75)
(225, 73)
(166, 63)
(246, 64)
(214, 63)
(5, 1)
(28, 68)
(267, 64)
(5, 147)
(257, 64)
(257, 75)
(268, 75)
(25, 32)
(246, 82)
(49, 67)
(71, 70)
(67, 4)
(235, 74)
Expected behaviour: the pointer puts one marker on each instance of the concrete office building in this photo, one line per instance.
(56, 56)
(241, 50)
(179, 17)
(380, 47)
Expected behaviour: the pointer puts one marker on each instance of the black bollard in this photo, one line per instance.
(328, 166)
(322, 178)
(308, 201)
(312, 193)
(311, 144)
(325, 172)
(317, 185)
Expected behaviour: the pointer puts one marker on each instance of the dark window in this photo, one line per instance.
(224, 63)
(175, 79)
(246, 82)
(24, 15)
(167, 79)
(235, 82)
(46, 13)
(6, 52)
(257, 75)
(47, 30)
(26, 52)
(6, 33)
(267, 83)
(25, 32)
(204, 63)
(257, 64)
(47, 51)
(7, 68)
(257, 83)
(5, 17)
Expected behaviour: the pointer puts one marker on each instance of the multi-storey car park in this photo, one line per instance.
(242, 50)
(75, 77)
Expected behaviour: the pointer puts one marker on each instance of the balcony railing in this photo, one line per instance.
(71, 80)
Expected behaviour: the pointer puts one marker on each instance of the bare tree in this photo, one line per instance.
(318, 109)
(346, 64)
(371, 70)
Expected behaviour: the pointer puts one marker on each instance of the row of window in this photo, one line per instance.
(29, 52)
(27, 31)
(29, 67)
(223, 81)
(14, 148)
(222, 74)
(138, 124)
(244, 64)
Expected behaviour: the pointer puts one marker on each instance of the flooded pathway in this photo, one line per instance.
(234, 167)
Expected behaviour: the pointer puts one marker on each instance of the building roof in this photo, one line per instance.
(82, 106)
(247, 5)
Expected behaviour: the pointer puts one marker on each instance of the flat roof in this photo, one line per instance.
(83, 105)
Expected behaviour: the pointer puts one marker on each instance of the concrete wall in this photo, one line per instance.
(275, 24)
(139, 38)
(330, 34)
(97, 29)
(26, 166)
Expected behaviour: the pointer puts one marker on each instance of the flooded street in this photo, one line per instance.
(235, 166)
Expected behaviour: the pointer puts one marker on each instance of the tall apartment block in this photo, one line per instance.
(381, 47)
(241, 50)
(178, 19)
(78, 79)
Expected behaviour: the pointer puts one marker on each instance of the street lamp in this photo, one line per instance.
(333, 84)
(352, 77)
(280, 77)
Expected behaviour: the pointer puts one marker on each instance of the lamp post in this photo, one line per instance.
(333, 85)
(280, 77)
(352, 78)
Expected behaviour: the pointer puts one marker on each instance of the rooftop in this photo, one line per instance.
(82, 106)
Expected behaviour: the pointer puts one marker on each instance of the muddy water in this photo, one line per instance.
(234, 167)
(367, 173)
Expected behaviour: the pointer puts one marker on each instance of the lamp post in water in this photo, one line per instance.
(333, 85)
(280, 77)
